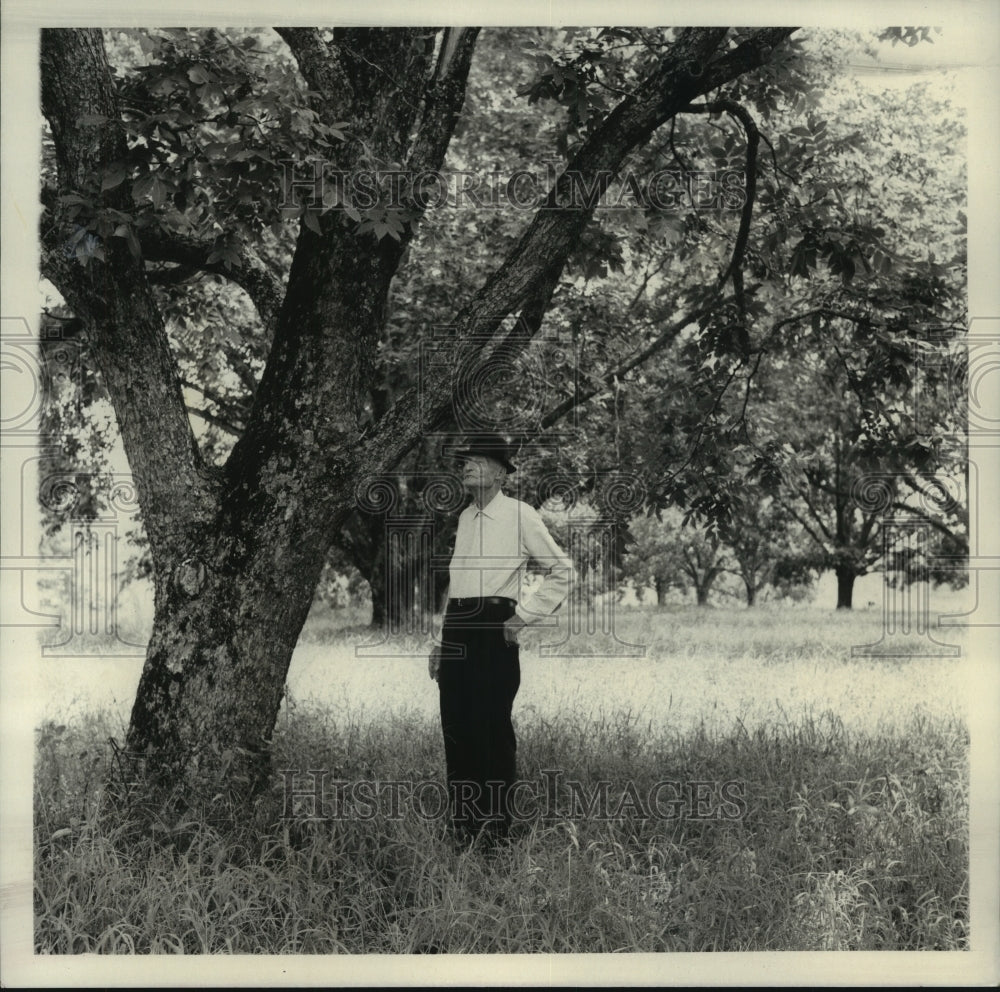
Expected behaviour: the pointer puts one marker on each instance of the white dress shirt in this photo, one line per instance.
(492, 549)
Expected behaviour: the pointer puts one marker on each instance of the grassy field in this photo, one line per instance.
(850, 829)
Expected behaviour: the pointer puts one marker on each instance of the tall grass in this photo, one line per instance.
(849, 840)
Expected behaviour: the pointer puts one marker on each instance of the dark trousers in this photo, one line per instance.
(478, 679)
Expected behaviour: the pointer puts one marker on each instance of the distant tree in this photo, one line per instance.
(703, 560)
(858, 465)
(666, 554)
(840, 405)
(763, 540)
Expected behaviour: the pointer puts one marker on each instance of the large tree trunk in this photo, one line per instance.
(217, 661)
(751, 592)
(237, 553)
(845, 586)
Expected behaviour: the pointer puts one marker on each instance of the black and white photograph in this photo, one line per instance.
(500, 495)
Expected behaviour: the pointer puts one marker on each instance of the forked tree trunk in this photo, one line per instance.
(703, 584)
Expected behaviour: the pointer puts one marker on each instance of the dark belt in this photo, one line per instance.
(470, 601)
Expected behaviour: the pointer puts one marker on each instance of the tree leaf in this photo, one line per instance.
(114, 175)
(159, 191)
(142, 187)
(311, 220)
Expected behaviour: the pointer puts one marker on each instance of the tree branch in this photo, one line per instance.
(175, 276)
(804, 496)
(212, 418)
(444, 100)
(230, 408)
(555, 228)
(926, 518)
(241, 367)
(746, 395)
(808, 529)
(322, 68)
(750, 54)
(549, 238)
(113, 298)
(250, 273)
(735, 267)
(945, 500)
(622, 369)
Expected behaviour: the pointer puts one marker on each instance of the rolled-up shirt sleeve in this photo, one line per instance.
(540, 547)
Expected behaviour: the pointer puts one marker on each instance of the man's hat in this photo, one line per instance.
(492, 446)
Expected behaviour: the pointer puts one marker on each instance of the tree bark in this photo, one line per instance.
(176, 490)
(217, 660)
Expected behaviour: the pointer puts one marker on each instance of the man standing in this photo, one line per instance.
(477, 664)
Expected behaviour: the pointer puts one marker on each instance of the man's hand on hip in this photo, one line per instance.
(512, 628)
(434, 661)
